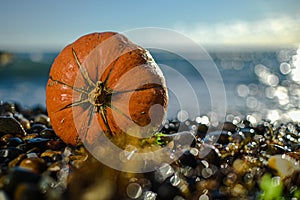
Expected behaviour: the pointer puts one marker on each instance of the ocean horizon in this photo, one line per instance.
(259, 83)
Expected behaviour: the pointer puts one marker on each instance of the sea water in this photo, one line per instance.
(258, 84)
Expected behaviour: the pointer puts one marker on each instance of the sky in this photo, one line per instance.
(33, 25)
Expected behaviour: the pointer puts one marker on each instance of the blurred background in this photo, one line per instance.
(254, 44)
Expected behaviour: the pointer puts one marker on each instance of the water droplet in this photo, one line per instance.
(134, 190)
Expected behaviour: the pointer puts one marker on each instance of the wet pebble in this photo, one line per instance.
(42, 119)
(39, 143)
(47, 133)
(18, 176)
(14, 141)
(284, 165)
(9, 125)
(34, 164)
(28, 191)
(37, 128)
(55, 145)
(229, 126)
(4, 139)
(10, 153)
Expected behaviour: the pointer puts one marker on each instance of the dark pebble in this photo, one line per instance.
(28, 191)
(261, 129)
(39, 143)
(18, 176)
(42, 119)
(37, 128)
(14, 141)
(10, 152)
(246, 123)
(47, 133)
(25, 123)
(56, 157)
(55, 145)
(188, 159)
(34, 164)
(202, 130)
(229, 126)
(221, 137)
(8, 107)
(9, 125)
(4, 139)
(209, 153)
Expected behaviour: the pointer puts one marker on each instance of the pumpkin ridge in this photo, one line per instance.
(72, 87)
(83, 71)
(109, 73)
(77, 103)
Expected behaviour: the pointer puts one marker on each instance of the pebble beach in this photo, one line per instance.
(246, 162)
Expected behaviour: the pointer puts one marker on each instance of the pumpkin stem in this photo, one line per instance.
(97, 96)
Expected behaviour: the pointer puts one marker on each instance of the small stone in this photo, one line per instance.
(14, 141)
(10, 152)
(8, 107)
(229, 126)
(42, 119)
(5, 138)
(18, 176)
(55, 145)
(220, 137)
(17, 160)
(39, 143)
(27, 191)
(285, 165)
(25, 123)
(36, 165)
(9, 125)
(47, 133)
(37, 128)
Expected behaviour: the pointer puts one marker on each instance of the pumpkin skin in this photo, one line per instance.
(103, 83)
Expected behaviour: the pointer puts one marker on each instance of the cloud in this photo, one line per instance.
(265, 32)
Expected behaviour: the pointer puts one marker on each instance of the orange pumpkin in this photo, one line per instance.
(103, 83)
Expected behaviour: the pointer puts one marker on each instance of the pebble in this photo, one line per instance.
(47, 133)
(37, 128)
(42, 119)
(19, 176)
(9, 125)
(284, 165)
(34, 164)
(14, 141)
(27, 191)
